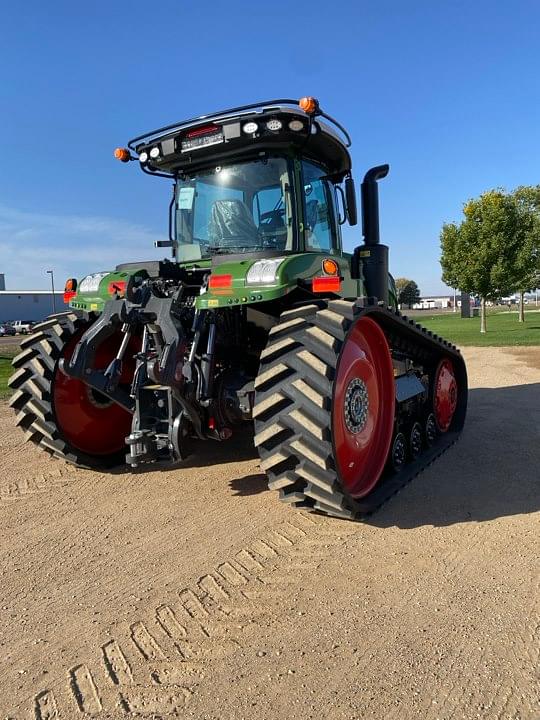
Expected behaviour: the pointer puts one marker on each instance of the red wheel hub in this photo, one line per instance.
(88, 420)
(363, 407)
(445, 394)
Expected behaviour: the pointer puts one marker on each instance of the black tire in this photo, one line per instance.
(293, 402)
(32, 383)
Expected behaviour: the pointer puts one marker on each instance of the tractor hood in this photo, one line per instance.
(231, 282)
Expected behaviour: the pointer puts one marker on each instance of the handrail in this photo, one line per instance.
(232, 111)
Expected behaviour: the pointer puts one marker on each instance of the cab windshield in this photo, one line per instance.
(240, 208)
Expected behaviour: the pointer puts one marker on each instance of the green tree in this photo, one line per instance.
(408, 291)
(479, 256)
(527, 265)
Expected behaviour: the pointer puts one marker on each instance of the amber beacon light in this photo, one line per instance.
(309, 105)
(122, 154)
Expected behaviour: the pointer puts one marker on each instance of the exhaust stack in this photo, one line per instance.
(370, 203)
(371, 259)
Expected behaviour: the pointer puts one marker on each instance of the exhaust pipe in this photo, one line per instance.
(370, 203)
(370, 260)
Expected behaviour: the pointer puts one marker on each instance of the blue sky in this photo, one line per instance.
(446, 92)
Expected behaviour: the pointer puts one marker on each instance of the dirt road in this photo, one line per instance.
(195, 593)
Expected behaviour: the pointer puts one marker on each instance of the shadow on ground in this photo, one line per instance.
(250, 484)
(493, 471)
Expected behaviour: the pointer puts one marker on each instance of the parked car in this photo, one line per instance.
(23, 327)
(7, 329)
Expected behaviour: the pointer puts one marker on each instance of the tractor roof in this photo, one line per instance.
(274, 126)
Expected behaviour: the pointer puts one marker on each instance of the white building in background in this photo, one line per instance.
(435, 302)
(31, 305)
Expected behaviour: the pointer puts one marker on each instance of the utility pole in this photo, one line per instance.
(455, 302)
(51, 273)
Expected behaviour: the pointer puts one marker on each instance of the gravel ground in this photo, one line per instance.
(194, 593)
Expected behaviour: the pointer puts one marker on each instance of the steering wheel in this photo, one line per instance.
(268, 217)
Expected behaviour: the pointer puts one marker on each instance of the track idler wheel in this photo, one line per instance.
(445, 395)
(363, 407)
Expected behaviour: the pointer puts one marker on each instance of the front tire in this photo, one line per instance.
(60, 414)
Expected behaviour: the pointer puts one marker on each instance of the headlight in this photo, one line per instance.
(143, 157)
(91, 282)
(263, 272)
(250, 128)
(274, 124)
(296, 125)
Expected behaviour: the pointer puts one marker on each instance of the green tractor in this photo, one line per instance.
(259, 319)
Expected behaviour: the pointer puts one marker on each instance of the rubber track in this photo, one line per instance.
(31, 382)
(294, 396)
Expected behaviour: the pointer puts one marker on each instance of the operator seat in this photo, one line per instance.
(231, 224)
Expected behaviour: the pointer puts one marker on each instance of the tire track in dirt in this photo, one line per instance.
(502, 656)
(156, 664)
(29, 486)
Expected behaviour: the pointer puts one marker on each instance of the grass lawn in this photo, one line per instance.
(6, 356)
(503, 328)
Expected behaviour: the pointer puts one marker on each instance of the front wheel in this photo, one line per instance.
(59, 413)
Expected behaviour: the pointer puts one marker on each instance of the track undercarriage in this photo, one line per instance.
(353, 400)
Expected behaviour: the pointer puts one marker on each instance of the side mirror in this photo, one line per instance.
(350, 195)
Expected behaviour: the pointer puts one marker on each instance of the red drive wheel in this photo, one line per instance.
(87, 419)
(444, 394)
(363, 407)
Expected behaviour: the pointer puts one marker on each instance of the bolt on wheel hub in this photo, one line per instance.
(356, 405)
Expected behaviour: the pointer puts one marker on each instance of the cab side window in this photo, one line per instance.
(269, 213)
(319, 217)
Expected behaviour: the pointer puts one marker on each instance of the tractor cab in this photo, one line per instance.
(262, 180)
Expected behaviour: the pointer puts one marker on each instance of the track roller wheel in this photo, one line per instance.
(398, 453)
(60, 414)
(415, 440)
(324, 406)
(430, 430)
